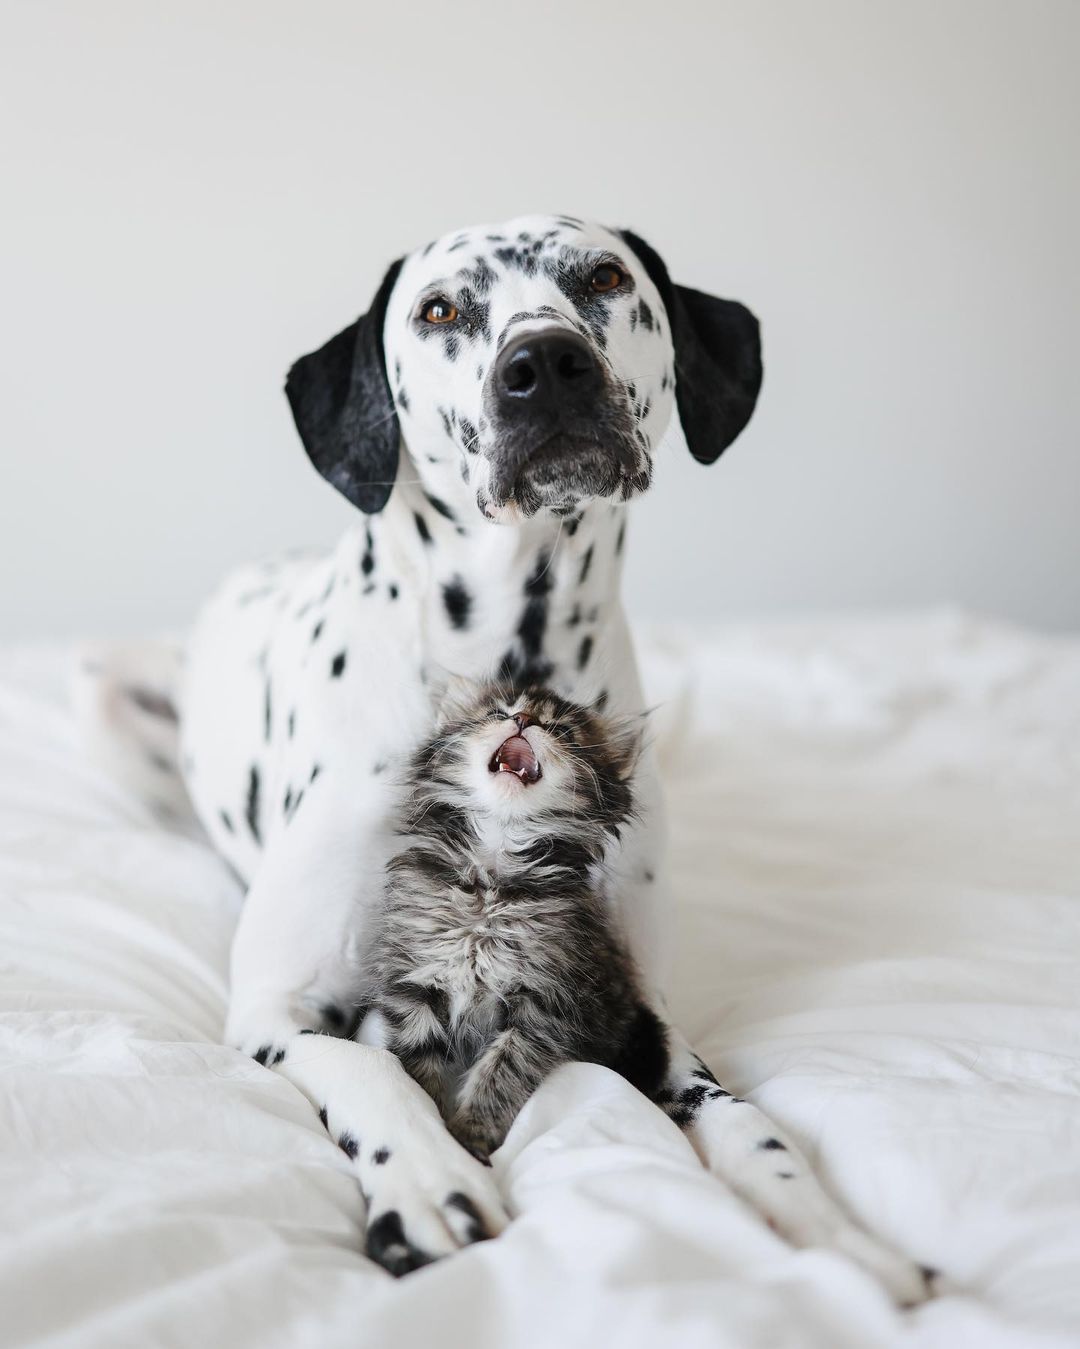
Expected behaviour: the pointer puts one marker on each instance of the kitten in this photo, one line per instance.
(493, 959)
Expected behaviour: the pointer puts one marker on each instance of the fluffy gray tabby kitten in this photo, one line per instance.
(493, 960)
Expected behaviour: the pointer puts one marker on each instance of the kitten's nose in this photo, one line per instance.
(523, 719)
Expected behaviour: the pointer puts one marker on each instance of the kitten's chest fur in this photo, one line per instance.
(477, 936)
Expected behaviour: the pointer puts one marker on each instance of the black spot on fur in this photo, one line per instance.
(251, 812)
(475, 1230)
(226, 820)
(687, 1103)
(645, 315)
(262, 1054)
(307, 1030)
(388, 1246)
(316, 769)
(422, 527)
(316, 631)
(266, 712)
(528, 665)
(337, 666)
(772, 1145)
(349, 1146)
(278, 1057)
(442, 508)
(392, 591)
(367, 558)
(584, 652)
(458, 603)
(156, 704)
(333, 1016)
(703, 1073)
(322, 1116)
(380, 1156)
(379, 767)
(586, 563)
(620, 538)
(292, 723)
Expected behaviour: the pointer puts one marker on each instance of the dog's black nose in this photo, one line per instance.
(549, 369)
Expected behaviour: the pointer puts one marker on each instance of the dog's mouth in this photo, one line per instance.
(516, 756)
(562, 472)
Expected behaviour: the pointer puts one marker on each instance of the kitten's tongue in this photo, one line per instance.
(516, 756)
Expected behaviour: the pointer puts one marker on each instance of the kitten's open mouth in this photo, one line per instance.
(516, 756)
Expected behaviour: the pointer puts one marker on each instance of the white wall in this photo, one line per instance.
(196, 193)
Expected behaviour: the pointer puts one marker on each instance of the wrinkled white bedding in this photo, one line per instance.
(876, 833)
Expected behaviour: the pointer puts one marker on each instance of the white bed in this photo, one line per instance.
(876, 832)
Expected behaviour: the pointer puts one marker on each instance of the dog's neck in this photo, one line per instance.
(530, 600)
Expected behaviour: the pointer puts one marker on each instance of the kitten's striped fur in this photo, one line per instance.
(494, 959)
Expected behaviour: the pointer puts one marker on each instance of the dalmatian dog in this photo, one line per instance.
(491, 417)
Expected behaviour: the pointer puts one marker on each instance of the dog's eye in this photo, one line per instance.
(605, 277)
(440, 311)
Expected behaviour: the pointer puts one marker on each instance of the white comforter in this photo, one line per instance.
(876, 832)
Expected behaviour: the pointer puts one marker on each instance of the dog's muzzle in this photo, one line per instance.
(561, 430)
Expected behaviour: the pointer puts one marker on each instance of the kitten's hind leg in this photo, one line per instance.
(496, 1087)
(426, 1064)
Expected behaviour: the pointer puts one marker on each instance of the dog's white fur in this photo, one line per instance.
(318, 674)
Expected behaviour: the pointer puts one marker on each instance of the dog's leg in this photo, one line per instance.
(733, 1138)
(426, 1196)
(736, 1142)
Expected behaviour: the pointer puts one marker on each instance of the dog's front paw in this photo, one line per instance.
(427, 1197)
(908, 1283)
(766, 1169)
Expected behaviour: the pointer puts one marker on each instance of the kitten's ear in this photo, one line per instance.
(626, 736)
(452, 696)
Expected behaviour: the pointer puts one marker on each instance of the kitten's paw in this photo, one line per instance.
(475, 1135)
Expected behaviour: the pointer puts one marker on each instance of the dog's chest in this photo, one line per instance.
(538, 614)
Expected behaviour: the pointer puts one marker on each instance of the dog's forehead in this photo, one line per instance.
(512, 248)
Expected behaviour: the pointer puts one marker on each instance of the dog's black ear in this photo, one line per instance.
(717, 358)
(342, 405)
